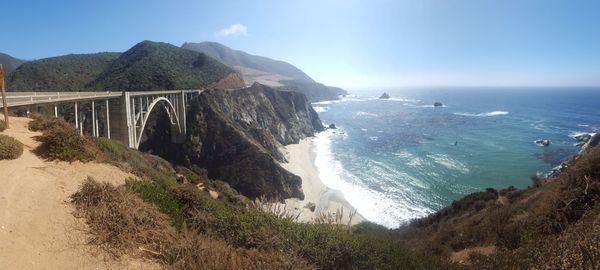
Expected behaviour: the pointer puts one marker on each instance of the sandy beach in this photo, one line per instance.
(300, 159)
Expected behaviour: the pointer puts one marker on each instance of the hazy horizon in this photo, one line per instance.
(351, 44)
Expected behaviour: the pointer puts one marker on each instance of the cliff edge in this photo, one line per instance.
(235, 135)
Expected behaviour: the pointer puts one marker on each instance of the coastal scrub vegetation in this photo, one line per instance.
(10, 148)
(2, 125)
(146, 66)
(555, 222)
(61, 141)
(198, 228)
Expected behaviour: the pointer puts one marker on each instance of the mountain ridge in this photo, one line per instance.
(147, 65)
(9, 62)
(267, 71)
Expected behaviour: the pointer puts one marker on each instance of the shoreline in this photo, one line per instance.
(301, 161)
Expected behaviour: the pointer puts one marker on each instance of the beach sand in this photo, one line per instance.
(300, 159)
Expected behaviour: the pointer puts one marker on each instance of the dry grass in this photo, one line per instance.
(273, 207)
(10, 148)
(120, 222)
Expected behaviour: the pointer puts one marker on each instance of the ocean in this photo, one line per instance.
(402, 158)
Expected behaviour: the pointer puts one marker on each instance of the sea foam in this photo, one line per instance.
(373, 205)
(486, 114)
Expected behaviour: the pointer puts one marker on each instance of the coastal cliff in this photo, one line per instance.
(235, 135)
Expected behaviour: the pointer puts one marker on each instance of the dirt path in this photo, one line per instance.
(37, 229)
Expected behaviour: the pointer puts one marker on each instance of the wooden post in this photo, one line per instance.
(4, 103)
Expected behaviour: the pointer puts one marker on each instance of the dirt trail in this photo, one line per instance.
(37, 228)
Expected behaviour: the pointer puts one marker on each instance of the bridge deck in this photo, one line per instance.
(16, 99)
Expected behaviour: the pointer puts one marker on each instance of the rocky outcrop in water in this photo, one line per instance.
(235, 135)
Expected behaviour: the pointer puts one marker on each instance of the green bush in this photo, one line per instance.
(61, 141)
(10, 148)
(165, 200)
(2, 126)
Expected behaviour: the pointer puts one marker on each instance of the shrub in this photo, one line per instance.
(327, 246)
(61, 141)
(121, 222)
(2, 126)
(10, 148)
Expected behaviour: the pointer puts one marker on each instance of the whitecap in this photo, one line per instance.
(320, 109)
(367, 114)
(375, 206)
(486, 114)
(574, 134)
(449, 163)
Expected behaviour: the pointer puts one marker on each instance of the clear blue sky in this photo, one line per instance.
(374, 43)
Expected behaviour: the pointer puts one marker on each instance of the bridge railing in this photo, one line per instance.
(15, 99)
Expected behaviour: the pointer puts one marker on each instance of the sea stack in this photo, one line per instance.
(384, 96)
(437, 104)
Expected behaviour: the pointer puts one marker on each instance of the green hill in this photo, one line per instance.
(154, 65)
(71, 72)
(146, 66)
(267, 71)
(10, 63)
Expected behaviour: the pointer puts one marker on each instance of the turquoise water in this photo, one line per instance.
(399, 159)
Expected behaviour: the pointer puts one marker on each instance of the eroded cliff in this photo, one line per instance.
(235, 135)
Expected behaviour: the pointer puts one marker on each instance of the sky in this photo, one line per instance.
(348, 43)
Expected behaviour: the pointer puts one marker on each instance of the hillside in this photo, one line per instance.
(153, 65)
(235, 58)
(267, 71)
(71, 72)
(554, 223)
(146, 66)
(10, 63)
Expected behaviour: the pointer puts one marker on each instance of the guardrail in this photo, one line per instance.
(16, 99)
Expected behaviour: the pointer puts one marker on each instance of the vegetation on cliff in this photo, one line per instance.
(553, 223)
(162, 216)
(146, 66)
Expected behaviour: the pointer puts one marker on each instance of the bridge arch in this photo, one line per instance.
(167, 105)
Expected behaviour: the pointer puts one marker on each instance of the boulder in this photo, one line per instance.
(437, 104)
(384, 96)
(542, 142)
(332, 126)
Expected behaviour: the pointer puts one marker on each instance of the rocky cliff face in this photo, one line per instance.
(235, 134)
